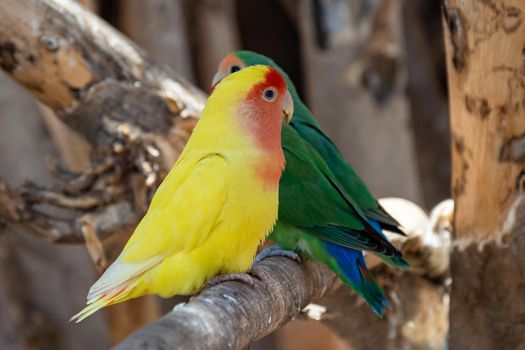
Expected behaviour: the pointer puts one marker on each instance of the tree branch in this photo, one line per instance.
(92, 76)
(56, 229)
(231, 315)
(136, 115)
(72, 60)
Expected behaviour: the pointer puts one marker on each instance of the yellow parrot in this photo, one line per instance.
(218, 202)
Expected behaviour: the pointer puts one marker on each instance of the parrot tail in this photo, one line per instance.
(355, 273)
(398, 262)
(115, 285)
(106, 299)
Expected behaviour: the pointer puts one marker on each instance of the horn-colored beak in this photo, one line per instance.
(287, 106)
(217, 78)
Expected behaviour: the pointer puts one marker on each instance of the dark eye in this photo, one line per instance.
(234, 68)
(269, 94)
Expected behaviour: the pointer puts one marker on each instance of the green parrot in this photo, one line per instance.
(325, 210)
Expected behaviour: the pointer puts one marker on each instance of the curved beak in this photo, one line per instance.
(217, 78)
(287, 106)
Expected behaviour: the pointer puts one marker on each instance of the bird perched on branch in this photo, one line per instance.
(325, 211)
(218, 202)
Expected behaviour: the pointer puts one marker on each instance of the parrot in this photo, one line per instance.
(217, 203)
(326, 211)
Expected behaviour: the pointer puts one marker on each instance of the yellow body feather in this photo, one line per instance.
(207, 217)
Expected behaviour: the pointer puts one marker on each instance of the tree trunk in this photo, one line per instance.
(485, 60)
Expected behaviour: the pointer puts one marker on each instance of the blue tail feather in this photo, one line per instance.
(352, 264)
(376, 226)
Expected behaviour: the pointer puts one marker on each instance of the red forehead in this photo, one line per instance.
(273, 78)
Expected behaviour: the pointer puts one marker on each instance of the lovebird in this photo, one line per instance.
(326, 212)
(217, 203)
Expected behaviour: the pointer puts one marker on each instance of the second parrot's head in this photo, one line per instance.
(241, 59)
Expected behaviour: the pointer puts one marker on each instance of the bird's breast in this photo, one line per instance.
(268, 169)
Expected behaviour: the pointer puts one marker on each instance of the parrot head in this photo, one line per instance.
(230, 64)
(241, 59)
(256, 99)
(264, 91)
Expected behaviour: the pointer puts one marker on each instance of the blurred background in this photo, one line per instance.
(372, 72)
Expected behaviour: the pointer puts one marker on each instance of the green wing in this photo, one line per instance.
(311, 198)
(309, 130)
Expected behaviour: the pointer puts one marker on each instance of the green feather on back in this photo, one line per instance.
(311, 198)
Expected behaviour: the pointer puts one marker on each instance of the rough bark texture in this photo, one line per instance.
(135, 115)
(356, 75)
(485, 61)
(74, 62)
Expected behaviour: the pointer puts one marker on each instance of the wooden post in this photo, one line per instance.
(485, 63)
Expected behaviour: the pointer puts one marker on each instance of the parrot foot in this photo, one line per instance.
(276, 251)
(246, 278)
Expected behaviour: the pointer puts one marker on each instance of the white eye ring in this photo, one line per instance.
(269, 94)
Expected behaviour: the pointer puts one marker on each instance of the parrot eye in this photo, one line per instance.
(269, 94)
(234, 68)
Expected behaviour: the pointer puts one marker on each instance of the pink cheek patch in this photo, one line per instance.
(269, 171)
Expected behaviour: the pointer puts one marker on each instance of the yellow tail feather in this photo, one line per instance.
(103, 301)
